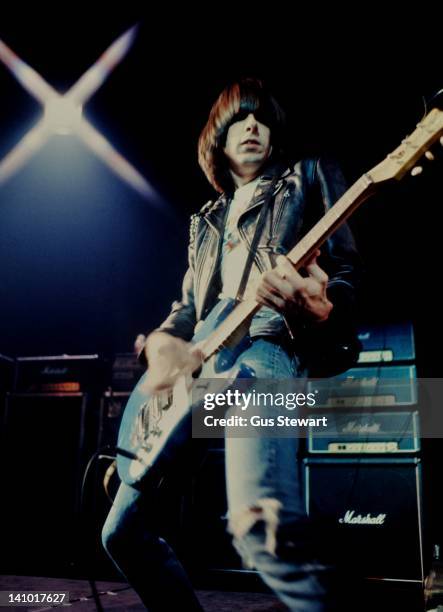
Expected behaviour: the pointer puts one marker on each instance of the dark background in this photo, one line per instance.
(86, 263)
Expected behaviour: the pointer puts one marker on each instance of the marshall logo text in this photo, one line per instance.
(350, 518)
(54, 371)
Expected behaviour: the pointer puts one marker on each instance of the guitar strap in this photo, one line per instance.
(254, 244)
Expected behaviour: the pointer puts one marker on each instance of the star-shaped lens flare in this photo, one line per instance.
(63, 113)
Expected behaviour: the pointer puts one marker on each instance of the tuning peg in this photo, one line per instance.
(429, 156)
(416, 170)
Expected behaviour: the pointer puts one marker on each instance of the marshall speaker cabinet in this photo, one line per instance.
(42, 461)
(370, 510)
(49, 432)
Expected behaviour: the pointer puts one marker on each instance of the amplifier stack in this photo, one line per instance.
(363, 474)
(56, 412)
(48, 432)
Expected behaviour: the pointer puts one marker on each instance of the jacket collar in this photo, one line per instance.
(272, 172)
(215, 215)
(273, 169)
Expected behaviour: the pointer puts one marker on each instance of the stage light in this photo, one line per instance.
(63, 113)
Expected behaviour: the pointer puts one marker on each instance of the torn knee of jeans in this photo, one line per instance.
(295, 540)
(264, 510)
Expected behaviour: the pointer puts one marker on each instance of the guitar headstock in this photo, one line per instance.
(404, 157)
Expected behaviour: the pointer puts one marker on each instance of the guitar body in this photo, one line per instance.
(155, 428)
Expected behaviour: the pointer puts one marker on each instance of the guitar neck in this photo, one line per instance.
(360, 191)
(336, 215)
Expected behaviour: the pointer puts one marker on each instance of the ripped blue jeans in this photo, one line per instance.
(266, 518)
(266, 512)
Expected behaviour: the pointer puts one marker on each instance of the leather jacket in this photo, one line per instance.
(302, 194)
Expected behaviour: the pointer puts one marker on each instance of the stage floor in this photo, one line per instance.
(120, 597)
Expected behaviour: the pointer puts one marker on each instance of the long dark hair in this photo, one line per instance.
(236, 101)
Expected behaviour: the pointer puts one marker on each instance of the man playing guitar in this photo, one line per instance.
(241, 152)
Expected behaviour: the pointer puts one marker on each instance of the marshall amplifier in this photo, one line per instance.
(369, 511)
(126, 371)
(43, 452)
(59, 374)
(112, 405)
(361, 387)
(372, 431)
(387, 343)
